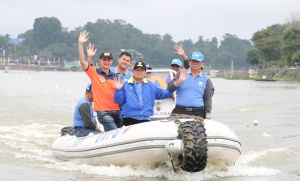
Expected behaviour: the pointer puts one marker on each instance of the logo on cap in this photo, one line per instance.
(140, 64)
(106, 54)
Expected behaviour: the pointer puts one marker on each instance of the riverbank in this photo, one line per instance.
(271, 74)
(37, 68)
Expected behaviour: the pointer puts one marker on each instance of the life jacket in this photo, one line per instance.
(77, 119)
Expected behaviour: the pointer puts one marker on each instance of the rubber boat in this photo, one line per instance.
(184, 144)
(181, 142)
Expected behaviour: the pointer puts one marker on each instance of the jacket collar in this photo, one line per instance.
(131, 80)
(190, 73)
(115, 70)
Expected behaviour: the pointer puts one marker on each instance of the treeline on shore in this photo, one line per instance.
(277, 45)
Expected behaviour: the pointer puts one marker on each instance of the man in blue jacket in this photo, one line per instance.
(83, 119)
(137, 96)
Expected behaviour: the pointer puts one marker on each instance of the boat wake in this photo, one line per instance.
(33, 143)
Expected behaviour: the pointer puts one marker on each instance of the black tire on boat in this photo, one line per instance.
(194, 155)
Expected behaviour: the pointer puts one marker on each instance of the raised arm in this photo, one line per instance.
(83, 37)
(178, 79)
(179, 51)
(91, 51)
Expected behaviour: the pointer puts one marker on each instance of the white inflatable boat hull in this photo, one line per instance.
(144, 144)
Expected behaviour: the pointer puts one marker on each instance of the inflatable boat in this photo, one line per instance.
(183, 143)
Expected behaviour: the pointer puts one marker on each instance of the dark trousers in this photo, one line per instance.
(195, 111)
(131, 121)
(81, 132)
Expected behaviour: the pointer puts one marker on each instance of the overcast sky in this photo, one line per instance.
(186, 19)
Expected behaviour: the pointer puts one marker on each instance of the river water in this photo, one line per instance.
(34, 106)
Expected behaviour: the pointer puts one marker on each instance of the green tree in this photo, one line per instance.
(291, 44)
(296, 56)
(46, 31)
(269, 41)
(4, 39)
(233, 49)
(253, 56)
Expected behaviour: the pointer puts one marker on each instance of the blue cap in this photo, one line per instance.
(197, 56)
(89, 87)
(177, 61)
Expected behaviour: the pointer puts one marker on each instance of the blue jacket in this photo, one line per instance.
(127, 98)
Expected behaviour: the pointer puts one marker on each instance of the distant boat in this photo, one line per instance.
(264, 78)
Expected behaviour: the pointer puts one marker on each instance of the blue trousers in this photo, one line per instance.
(110, 119)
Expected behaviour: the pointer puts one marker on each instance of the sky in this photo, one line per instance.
(186, 19)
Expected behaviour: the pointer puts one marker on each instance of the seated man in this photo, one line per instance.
(83, 119)
(137, 96)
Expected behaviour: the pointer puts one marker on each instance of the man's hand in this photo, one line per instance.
(91, 51)
(83, 36)
(98, 129)
(118, 83)
(182, 77)
(179, 51)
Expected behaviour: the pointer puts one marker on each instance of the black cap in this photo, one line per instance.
(139, 64)
(106, 54)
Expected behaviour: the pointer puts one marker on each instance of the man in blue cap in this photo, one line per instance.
(194, 89)
(83, 119)
(176, 64)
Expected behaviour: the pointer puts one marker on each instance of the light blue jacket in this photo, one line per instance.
(128, 99)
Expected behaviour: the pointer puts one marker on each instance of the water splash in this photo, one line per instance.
(32, 142)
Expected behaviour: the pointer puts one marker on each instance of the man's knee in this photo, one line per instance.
(108, 123)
